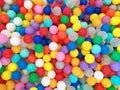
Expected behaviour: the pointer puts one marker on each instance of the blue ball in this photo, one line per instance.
(88, 39)
(16, 75)
(81, 17)
(63, 7)
(72, 46)
(105, 27)
(90, 9)
(22, 31)
(105, 49)
(83, 2)
(22, 64)
(96, 49)
(47, 10)
(76, 83)
(80, 55)
(15, 8)
(37, 39)
(97, 10)
(115, 80)
(50, 1)
(40, 87)
(15, 58)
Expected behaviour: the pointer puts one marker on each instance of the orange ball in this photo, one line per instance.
(4, 18)
(62, 27)
(46, 49)
(67, 59)
(61, 35)
(110, 12)
(10, 85)
(53, 83)
(3, 87)
(23, 10)
(54, 38)
(31, 58)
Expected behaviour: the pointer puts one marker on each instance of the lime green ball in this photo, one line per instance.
(39, 48)
(2, 69)
(21, 16)
(97, 39)
(115, 55)
(80, 40)
(33, 77)
(111, 88)
(64, 19)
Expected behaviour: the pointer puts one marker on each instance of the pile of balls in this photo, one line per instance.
(59, 44)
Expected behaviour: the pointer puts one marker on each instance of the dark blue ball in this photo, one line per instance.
(22, 31)
(37, 39)
(88, 39)
(90, 9)
(47, 10)
(16, 75)
(72, 46)
(22, 64)
(50, 1)
(15, 8)
(40, 87)
(44, 41)
(76, 83)
(105, 27)
(97, 10)
(81, 17)
(63, 7)
(105, 49)
(80, 55)
(83, 2)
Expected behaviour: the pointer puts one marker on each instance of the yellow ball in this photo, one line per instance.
(39, 55)
(28, 16)
(74, 53)
(75, 61)
(62, 27)
(38, 18)
(76, 26)
(6, 75)
(86, 45)
(53, 54)
(53, 83)
(115, 20)
(96, 22)
(116, 32)
(76, 71)
(116, 2)
(98, 68)
(33, 88)
(117, 13)
(25, 23)
(106, 83)
(74, 19)
(12, 67)
(16, 49)
(46, 58)
(85, 52)
(91, 81)
(82, 74)
(89, 58)
(93, 16)
(3, 87)
(48, 66)
(101, 15)
(40, 2)
(77, 11)
(10, 85)
(118, 48)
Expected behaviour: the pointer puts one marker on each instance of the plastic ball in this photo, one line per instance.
(3, 38)
(33, 88)
(10, 84)
(47, 10)
(51, 74)
(86, 45)
(39, 62)
(22, 64)
(31, 67)
(60, 56)
(89, 58)
(6, 75)
(10, 26)
(17, 21)
(116, 32)
(106, 83)
(16, 75)
(98, 75)
(48, 66)
(45, 81)
(33, 77)
(28, 4)
(38, 9)
(115, 20)
(61, 85)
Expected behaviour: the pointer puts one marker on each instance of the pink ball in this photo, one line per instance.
(98, 3)
(48, 88)
(60, 56)
(5, 61)
(53, 29)
(19, 86)
(105, 19)
(3, 39)
(38, 9)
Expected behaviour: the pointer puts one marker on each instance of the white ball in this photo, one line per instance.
(53, 46)
(11, 27)
(45, 81)
(15, 41)
(8, 1)
(0, 64)
(15, 34)
(98, 75)
(51, 74)
(61, 85)
(6, 32)
(17, 21)
(28, 4)
(25, 72)
(39, 63)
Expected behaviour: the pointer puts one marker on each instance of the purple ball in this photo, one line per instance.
(87, 17)
(98, 3)
(67, 69)
(64, 49)
(31, 51)
(35, 25)
(29, 30)
(115, 66)
(93, 65)
(97, 55)
(118, 73)
(83, 65)
(59, 1)
(29, 85)
(105, 19)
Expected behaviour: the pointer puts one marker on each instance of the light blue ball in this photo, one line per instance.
(11, 13)
(24, 53)
(109, 37)
(84, 24)
(115, 80)
(96, 49)
(48, 22)
(69, 31)
(15, 58)
(107, 2)
(73, 78)
(31, 67)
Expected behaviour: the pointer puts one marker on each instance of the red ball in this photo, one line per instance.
(20, 2)
(99, 86)
(83, 8)
(57, 70)
(43, 31)
(104, 9)
(99, 59)
(59, 77)
(110, 12)
(31, 58)
(2, 3)
(2, 81)
(66, 41)
(55, 19)
(92, 2)
(2, 27)
(54, 38)
(67, 11)
(8, 53)
(82, 32)
(40, 71)
(61, 35)
(4, 18)
(46, 49)
(23, 10)
(27, 38)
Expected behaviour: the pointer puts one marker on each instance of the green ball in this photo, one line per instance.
(111, 88)
(97, 39)
(33, 77)
(115, 55)
(2, 69)
(64, 19)
(112, 28)
(80, 40)
(21, 16)
(39, 48)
